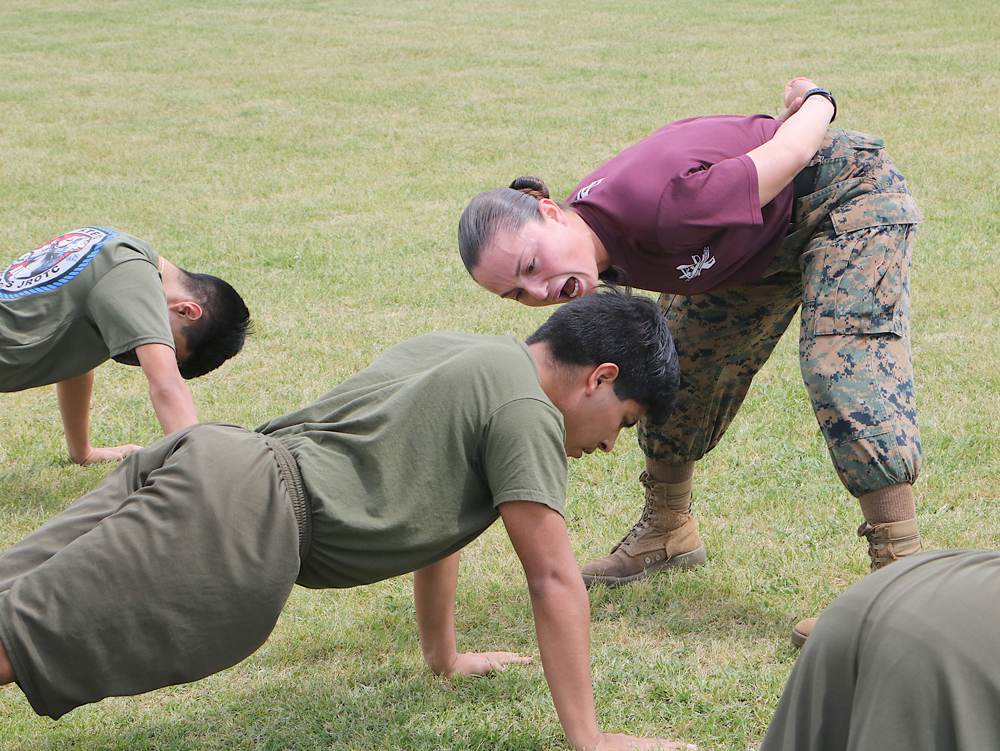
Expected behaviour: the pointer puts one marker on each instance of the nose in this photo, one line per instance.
(608, 444)
(536, 288)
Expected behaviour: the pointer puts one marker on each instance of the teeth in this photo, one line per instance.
(576, 289)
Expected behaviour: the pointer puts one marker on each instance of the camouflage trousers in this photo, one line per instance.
(846, 263)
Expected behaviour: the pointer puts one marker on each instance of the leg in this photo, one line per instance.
(855, 357)
(184, 578)
(722, 340)
(856, 363)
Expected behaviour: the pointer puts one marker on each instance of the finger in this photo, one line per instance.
(506, 658)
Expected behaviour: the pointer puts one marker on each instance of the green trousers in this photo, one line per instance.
(174, 567)
(908, 659)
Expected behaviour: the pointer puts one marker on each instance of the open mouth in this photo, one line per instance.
(570, 289)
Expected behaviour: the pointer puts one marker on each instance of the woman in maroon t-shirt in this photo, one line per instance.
(739, 221)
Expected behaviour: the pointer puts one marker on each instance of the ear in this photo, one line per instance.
(604, 374)
(551, 210)
(187, 309)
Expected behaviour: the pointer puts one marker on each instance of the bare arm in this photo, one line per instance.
(167, 391)
(562, 623)
(74, 407)
(434, 599)
(779, 160)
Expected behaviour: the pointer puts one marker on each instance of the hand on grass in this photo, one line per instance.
(618, 742)
(484, 663)
(108, 454)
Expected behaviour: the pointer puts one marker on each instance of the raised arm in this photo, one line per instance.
(562, 623)
(167, 391)
(434, 599)
(779, 160)
(74, 407)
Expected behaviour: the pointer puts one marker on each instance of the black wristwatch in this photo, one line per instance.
(826, 94)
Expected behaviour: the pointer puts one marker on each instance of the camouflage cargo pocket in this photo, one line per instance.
(856, 274)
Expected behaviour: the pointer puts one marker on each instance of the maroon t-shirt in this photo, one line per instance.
(680, 210)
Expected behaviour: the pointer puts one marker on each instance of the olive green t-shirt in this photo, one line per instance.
(407, 461)
(74, 302)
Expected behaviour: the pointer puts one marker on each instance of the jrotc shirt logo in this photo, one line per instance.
(54, 263)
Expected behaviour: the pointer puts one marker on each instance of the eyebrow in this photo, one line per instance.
(517, 274)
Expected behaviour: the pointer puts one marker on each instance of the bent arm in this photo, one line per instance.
(779, 160)
(167, 391)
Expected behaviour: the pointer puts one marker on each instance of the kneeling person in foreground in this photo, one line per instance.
(177, 565)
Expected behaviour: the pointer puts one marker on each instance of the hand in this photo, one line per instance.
(792, 99)
(484, 663)
(616, 742)
(108, 454)
(795, 88)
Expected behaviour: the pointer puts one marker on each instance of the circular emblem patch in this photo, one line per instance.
(53, 264)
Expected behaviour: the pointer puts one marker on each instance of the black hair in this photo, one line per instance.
(507, 210)
(222, 329)
(613, 325)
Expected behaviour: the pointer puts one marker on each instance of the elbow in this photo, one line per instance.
(168, 393)
(557, 582)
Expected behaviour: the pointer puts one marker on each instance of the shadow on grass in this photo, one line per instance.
(686, 603)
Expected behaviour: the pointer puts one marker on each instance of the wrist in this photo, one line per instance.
(587, 742)
(80, 455)
(441, 662)
(826, 94)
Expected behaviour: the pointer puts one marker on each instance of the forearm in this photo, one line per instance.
(74, 408)
(803, 133)
(434, 600)
(174, 406)
(794, 144)
(562, 623)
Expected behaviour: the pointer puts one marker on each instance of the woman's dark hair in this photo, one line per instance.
(222, 329)
(507, 210)
(613, 325)
(498, 210)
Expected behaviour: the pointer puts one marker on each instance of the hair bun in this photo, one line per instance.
(531, 185)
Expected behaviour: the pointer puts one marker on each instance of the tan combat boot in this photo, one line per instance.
(886, 543)
(890, 542)
(666, 536)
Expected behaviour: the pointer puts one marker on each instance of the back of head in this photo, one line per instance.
(613, 325)
(222, 329)
(499, 210)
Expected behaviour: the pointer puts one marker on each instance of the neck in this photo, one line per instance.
(552, 374)
(173, 282)
(583, 229)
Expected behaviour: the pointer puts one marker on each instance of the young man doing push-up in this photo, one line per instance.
(96, 294)
(177, 565)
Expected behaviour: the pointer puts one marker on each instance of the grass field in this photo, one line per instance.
(318, 154)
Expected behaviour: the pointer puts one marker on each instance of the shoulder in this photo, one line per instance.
(453, 351)
(121, 247)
